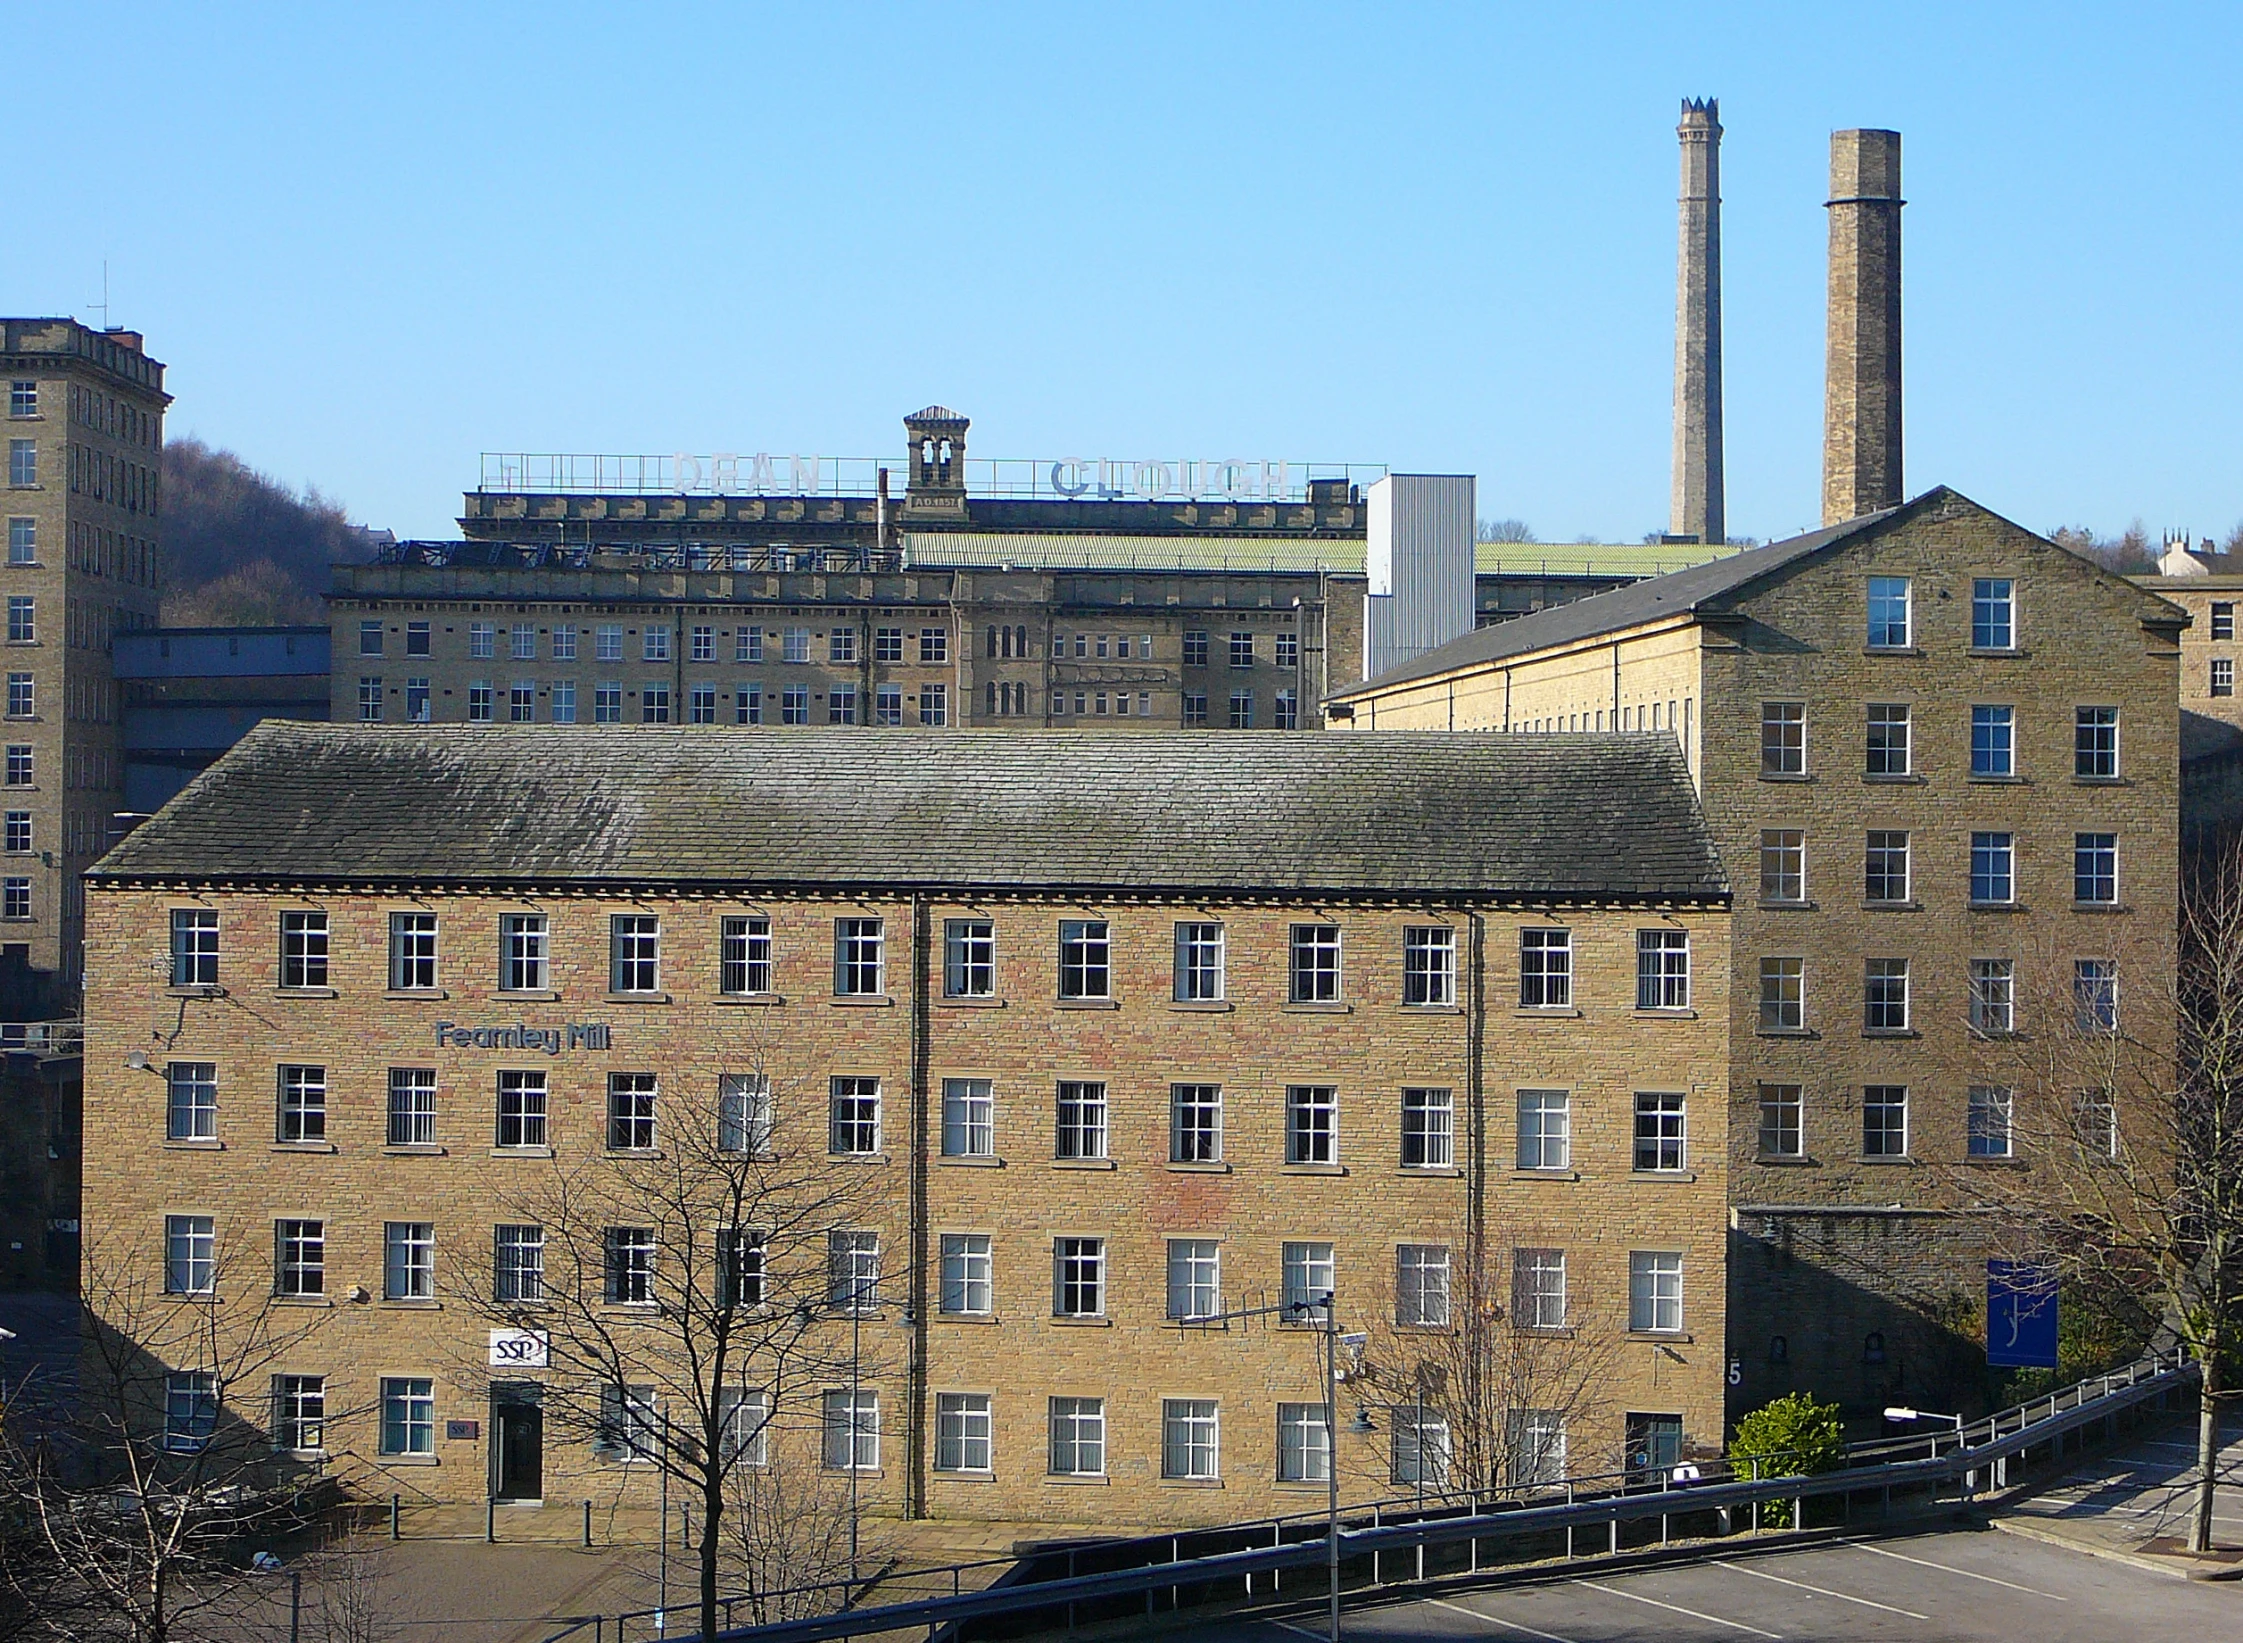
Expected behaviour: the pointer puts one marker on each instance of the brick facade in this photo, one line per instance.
(1830, 1212)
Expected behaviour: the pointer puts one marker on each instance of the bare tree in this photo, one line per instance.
(1487, 1364)
(788, 1534)
(138, 1487)
(2127, 1141)
(700, 1277)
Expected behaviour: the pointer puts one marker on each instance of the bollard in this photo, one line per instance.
(490, 1522)
(587, 1523)
(393, 1504)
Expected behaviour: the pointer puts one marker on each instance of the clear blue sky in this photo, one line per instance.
(372, 242)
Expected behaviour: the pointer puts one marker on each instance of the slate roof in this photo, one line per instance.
(1674, 594)
(1416, 813)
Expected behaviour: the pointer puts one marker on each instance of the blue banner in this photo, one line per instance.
(2020, 1315)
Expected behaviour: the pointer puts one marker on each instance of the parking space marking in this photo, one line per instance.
(1497, 1620)
(1819, 1591)
(1676, 1608)
(1303, 1630)
(1967, 1574)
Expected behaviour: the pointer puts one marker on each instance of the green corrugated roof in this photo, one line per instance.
(1063, 551)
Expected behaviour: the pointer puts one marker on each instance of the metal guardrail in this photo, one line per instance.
(1067, 479)
(1442, 1526)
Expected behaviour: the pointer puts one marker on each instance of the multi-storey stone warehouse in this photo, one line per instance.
(1079, 1043)
(1939, 753)
(1222, 595)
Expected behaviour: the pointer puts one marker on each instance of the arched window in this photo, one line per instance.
(1779, 1349)
(1873, 1348)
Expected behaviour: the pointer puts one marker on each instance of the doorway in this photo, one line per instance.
(1654, 1447)
(517, 1444)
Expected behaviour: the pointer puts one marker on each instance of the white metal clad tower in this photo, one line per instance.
(1419, 563)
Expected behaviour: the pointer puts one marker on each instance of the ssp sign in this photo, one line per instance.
(518, 1349)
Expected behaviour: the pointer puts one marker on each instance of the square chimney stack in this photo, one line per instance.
(1861, 397)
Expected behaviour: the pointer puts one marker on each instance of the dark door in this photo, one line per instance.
(521, 1451)
(1654, 1447)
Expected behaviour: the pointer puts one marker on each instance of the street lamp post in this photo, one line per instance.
(1332, 1466)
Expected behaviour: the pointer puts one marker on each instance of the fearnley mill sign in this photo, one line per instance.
(574, 1035)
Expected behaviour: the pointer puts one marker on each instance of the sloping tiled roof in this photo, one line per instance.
(1426, 814)
(1674, 594)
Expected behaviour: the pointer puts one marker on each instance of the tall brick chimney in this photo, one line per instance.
(1696, 511)
(1861, 395)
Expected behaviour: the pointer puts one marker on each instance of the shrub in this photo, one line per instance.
(1792, 1437)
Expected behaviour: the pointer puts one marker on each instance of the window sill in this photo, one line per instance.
(416, 992)
(2100, 907)
(407, 1460)
(1665, 1337)
(2101, 781)
(1545, 1175)
(305, 992)
(1784, 904)
(1435, 1171)
(191, 1297)
(1086, 1003)
(737, 1000)
(1082, 1163)
(630, 1152)
(1785, 1032)
(967, 1318)
(1200, 1006)
(1664, 1013)
(303, 1146)
(635, 998)
(959, 1475)
(1785, 776)
(1786, 1160)
(198, 989)
(969, 1160)
(303, 1300)
(1430, 1009)
(415, 1149)
(989, 1003)
(1899, 1161)
(1312, 1169)
(1976, 780)
(1997, 907)
(1994, 1035)
(1890, 1032)
(1077, 1480)
(1191, 1483)
(862, 1001)
(403, 1303)
(521, 1152)
(1995, 650)
(2004, 1161)
(845, 1157)
(1892, 650)
(1082, 1323)
(1332, 1008)
(1903, 778)
(1677, 1177)
(525, 995)
(1198, 1166)
(1869, 906)
(1553, 1012)
(193, 1144)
